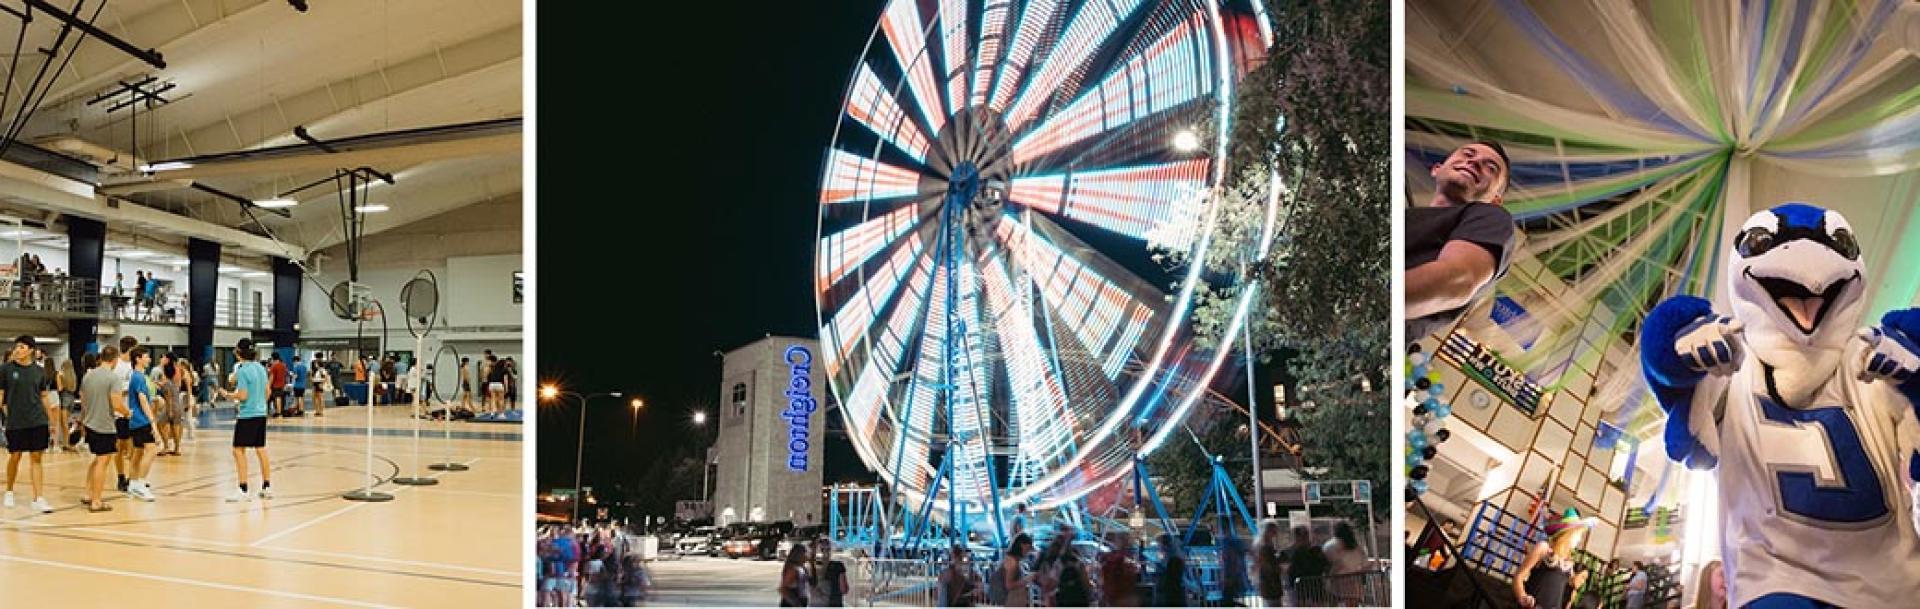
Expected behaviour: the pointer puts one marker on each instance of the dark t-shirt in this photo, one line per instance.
(1430, 228)
(23, 385)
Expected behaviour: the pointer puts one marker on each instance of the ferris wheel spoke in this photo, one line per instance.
(873, 107)
(953, 35)
(992, 44)
(972, 386)
(838, 254)
(855, 316)
(852, 177)
(1088, 30)
(1090, 297)
(1034, 17)
(1041, 424)
(1159, 204)
(1169, 72)
(906, 37)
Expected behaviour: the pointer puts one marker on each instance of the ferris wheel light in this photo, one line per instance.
(700, 418)
(1186, 141)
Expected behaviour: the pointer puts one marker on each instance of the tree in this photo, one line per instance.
(1317, 114)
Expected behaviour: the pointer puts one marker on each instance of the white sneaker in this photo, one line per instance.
(237, 496)
(266, 492)
(41, 505)
(142, 491)
(9, 500)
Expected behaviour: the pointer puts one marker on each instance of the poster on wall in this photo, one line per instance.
(519, 286)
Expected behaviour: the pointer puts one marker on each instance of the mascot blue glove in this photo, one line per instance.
(1807, 420)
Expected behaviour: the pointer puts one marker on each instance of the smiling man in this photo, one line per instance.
(1460, 241)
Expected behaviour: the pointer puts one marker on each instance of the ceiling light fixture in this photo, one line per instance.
(167, 166)
(276, 203)
(371, 209)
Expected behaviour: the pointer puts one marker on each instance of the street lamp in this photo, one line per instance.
(706, 460)
(553, 393)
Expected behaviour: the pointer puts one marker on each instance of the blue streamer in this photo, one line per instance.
(1602, 85)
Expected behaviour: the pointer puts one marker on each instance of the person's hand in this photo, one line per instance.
(1711, 344)
(1891, 355)
(1526, 601)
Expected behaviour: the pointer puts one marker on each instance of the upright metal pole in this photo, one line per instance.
(579, 452)
(1253, 418)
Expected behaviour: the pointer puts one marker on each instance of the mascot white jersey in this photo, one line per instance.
(1808, 418)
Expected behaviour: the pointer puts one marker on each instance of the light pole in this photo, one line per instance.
(706, 460)
(553, 394)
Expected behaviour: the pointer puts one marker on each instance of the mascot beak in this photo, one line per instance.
(1803, 306)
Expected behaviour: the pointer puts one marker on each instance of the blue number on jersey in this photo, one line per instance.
(1860, 500)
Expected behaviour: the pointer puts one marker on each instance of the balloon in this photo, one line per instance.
(1417, 439)
(1422, 383)
(1434, 375)
(1418, 473)
(1417, 359)
(1413, 347)
(1436, 389)
(1441, 436)
(1414, 460)
(1419, 371)
(1430, 452)
(1419, 487)
(1420, 409)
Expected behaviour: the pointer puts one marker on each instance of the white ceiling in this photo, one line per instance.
(247, 72)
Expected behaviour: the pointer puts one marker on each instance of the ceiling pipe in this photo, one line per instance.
(107, 159)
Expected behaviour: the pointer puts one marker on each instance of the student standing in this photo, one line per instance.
(466, 385)
(123, 434)
(277, 400)
(140, 424)
(68, 384)
(250, 429)
(101, 401)
(25, 407)
(300, 375)
(322, 384)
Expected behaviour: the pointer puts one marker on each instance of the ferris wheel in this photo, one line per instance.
(994, 321)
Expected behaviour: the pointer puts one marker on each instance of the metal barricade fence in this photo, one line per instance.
(1364, 589)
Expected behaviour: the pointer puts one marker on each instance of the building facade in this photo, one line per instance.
(773, 402)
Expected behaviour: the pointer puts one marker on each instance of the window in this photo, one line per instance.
(740, 399)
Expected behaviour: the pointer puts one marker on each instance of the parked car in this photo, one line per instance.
(741, 540)
(806, 535)
(771, 540)
(697, 541)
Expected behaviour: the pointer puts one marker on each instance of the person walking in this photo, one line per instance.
(1170, 585)
(1120, 573)
(1349, 564)
(1307, 568)
(830, 576)
(1269, 563)
(794, 577)
(957, 585)
(1010, 581)
(24, 406)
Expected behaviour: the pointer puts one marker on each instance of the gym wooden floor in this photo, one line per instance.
(455, 544)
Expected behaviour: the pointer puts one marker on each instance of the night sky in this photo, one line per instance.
(699, 194)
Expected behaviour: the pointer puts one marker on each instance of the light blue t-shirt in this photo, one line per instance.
(252, 377)
(299, 375)
(136, 387)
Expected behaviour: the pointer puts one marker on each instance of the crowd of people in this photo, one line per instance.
(589, 566)
(1295, 572)
(127, 406)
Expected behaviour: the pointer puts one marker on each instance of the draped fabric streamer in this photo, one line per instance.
(1624, 121)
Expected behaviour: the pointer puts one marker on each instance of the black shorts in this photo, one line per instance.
(100, 444)
(121, 430)
(143, 436)
(299, 392)
(277, 394)
(27, 440)
(250, 432)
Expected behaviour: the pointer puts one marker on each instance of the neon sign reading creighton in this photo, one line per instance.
(800, 407)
